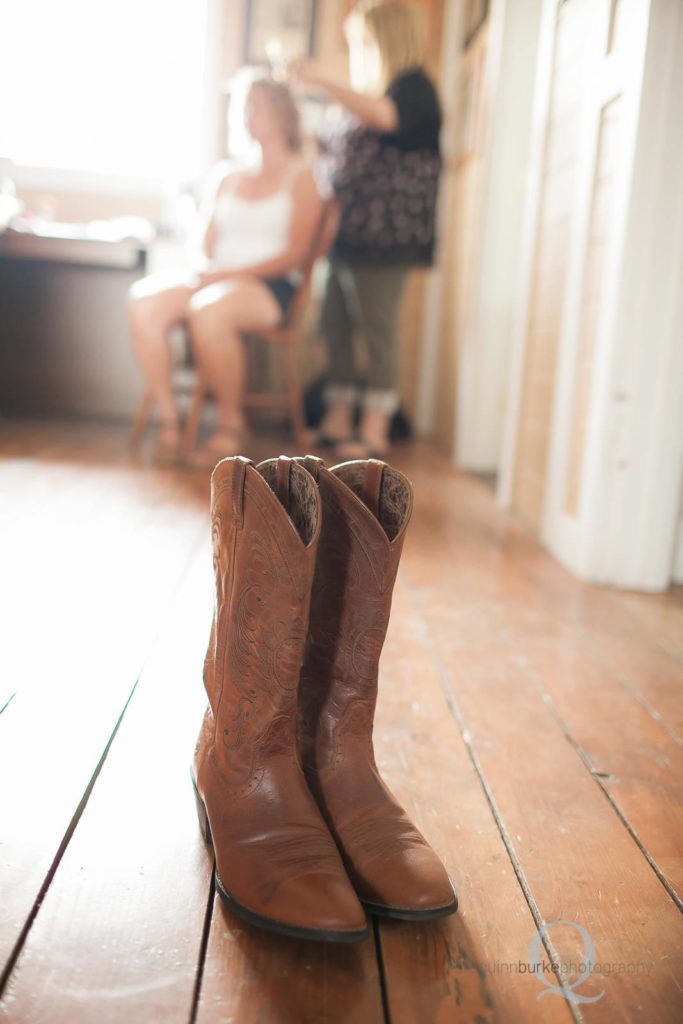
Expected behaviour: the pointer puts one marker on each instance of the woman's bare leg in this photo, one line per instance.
(218, 316)
(337, 423)
(157, 303)
(374, 430)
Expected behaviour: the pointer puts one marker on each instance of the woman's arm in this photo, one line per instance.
(307, 209)
(378, 112)
(205, 234)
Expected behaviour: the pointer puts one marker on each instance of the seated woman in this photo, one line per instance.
(258, 226)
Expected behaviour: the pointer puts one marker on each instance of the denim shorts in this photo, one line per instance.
(282, 289)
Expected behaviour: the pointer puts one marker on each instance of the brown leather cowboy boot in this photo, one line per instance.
(277, 865)
(366, 509)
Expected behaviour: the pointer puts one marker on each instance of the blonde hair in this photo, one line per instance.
(396, 29)
(282, 101)
(280, 98)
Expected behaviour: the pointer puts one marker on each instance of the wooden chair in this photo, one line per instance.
(284, 339)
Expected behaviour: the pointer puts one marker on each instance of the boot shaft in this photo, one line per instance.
(366, 509)
(265, 524)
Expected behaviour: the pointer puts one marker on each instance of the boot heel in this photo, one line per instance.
(204, 826)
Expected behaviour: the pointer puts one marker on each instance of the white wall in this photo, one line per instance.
(486, 347)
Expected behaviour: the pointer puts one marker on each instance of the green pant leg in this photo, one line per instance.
(337, 325)
(379, 291)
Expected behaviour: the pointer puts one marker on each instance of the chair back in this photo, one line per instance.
(320, 244)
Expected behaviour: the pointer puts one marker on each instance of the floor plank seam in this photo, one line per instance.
(597, 777)
(7, 702)
(632, 832)
(61, 849)
(466, 738)
(381, 967)
(203, 946)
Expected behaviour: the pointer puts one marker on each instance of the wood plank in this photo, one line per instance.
(579, 862)
(660, 614)
(47, 509)
(23, 486)
(641, 769)
(254, 975)
(84, 627)
(452, 970)
(624, 644)
(119, 933)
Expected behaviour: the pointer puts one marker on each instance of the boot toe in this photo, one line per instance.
(328, 904)
(412, 883)
(310, 906)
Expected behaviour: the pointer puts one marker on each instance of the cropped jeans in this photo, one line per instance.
(367, 299)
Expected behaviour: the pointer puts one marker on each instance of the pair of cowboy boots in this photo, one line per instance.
(306, 835)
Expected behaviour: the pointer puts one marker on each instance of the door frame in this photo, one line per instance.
(527, 249)
(432, 307)
(628, 518)
(485, 348)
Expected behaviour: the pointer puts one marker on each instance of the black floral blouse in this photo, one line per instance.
(386, 184)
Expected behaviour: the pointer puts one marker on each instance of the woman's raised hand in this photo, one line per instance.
(303, 71)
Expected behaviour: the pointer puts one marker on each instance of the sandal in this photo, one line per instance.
(223, 442)
(320, 440)
(167, 448)
(357, 448)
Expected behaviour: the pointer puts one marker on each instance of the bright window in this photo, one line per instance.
(113, 86)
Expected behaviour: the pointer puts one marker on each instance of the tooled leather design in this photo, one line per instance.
(349, 617)
(272, 650)
(260, 638)
(216, 648)
(300, 850)
(204, 739)
(367, 832)
(370, 541)
(297, 569)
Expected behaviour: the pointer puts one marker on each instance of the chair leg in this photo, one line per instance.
(141, 421)
(293, 390)
(194, 416)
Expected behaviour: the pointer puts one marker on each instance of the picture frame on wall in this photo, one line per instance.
(277, 30)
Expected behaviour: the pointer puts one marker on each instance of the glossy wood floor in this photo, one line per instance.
(531, 724)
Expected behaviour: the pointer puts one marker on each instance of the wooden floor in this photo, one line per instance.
(531, 724)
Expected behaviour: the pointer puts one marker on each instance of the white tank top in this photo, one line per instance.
(252, 231)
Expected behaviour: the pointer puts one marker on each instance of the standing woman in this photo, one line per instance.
(381, 158)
